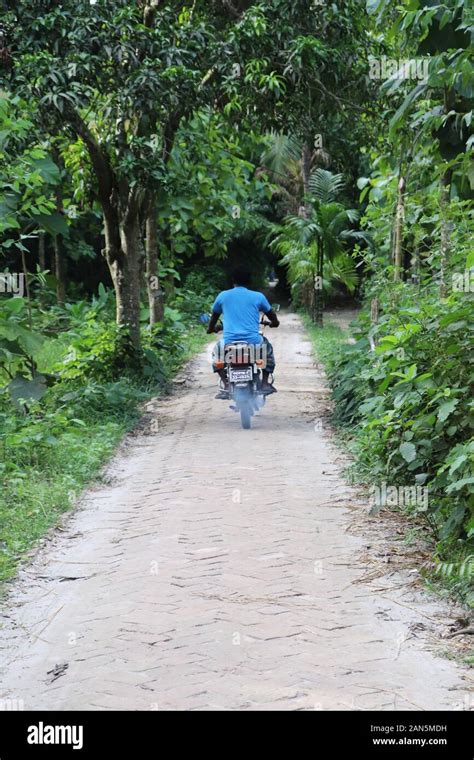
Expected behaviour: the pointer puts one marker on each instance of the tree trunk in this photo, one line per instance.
(305, 174)
(155, 293)
(398, 234)
(123, 254)
(445, 192)
(305, 294)
(59, 258)
(41, 251)
(59, 270)
(319, 301)
(316, 290)
(123, 241)
(128, 307)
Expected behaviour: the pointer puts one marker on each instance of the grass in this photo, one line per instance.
(34, 498)
(196, 340)
(44, 470)
(324, 339)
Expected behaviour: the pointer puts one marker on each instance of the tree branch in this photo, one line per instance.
(149, 12)
(100, 161)
(169, 133)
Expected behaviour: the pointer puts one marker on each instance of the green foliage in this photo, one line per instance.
(46, 458)
(411, 400)
(99, 352)
(18, 343)
(27, 177)
(463, 569)
(198, 291)
(211, 194)
(315, 243)
(50, 449)
(20, 347)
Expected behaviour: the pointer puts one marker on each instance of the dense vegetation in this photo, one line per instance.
(145, 147)
(406, 381)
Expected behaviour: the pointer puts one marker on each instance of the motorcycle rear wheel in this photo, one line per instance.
(245, 415)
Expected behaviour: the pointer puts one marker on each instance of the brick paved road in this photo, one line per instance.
(216, 571)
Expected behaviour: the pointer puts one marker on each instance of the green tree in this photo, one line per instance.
(121, 78)
(319, 238)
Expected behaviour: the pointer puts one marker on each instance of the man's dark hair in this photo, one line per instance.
(241, 276)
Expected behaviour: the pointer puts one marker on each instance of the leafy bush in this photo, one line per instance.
(198, 292)
(103, 352)
(411, 399)
(96, 401)
(51, 447)
(97, 352)
(19, 349)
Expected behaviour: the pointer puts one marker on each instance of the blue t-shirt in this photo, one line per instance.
(240, 309)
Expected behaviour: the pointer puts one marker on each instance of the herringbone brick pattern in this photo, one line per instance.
(216, 572)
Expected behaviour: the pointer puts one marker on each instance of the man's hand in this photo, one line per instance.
(274, 321)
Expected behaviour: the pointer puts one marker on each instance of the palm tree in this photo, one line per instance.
(284, 161)
(313, 244)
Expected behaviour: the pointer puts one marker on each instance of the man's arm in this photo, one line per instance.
(215, 315)
(211, 327)
(266, 307)
(271, 315)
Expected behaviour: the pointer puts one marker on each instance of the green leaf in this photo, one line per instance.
(408, 451)
(457, 463)
(446, 409)
(459, 484)
(405, 106)
(48, 169)
(14, 305)
(22, 388)
(54, 223)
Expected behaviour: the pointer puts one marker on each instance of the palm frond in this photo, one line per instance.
(365, 237)
(343, 270)
(283, 153)
(340, 221)
(325, 186)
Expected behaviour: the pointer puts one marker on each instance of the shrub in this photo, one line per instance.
(411, 399)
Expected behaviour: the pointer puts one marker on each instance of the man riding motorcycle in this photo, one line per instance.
(240, 308)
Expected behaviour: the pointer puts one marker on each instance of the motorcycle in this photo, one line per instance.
(243, 364)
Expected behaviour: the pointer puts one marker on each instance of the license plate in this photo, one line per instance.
(240, 375)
